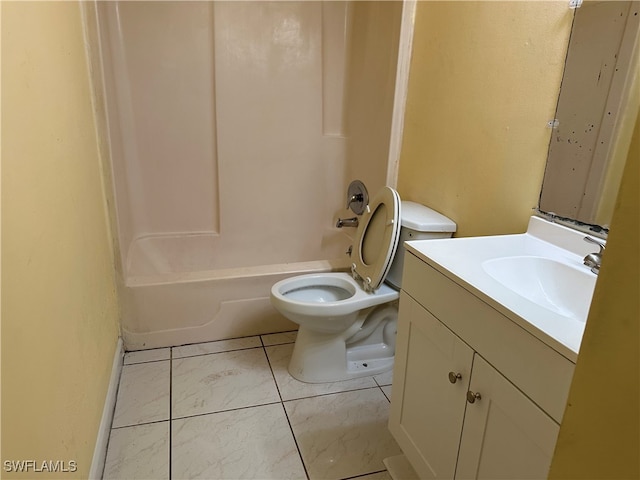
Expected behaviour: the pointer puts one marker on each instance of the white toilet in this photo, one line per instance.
(348, 320)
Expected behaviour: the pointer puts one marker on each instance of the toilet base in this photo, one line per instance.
(367, 348)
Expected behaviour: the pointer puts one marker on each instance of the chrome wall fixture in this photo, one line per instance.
(357, 197)
(357, 201)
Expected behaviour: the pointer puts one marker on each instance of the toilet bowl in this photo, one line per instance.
(326, 302)
(348, 320)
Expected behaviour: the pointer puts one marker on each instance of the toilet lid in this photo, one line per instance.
(377, 238)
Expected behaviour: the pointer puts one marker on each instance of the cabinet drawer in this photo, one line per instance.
(536, 369)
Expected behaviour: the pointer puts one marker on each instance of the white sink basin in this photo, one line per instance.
(553, 285)
(537, 279)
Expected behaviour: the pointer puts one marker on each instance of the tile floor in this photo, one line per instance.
(230, 410)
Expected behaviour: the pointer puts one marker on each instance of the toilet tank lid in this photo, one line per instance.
(424, 219)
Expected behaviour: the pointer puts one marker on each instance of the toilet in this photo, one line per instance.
(348, 319)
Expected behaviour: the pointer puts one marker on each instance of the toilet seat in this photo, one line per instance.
(377, 239)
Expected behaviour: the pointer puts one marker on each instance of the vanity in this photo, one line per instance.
(488, 335)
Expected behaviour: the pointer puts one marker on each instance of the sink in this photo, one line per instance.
(556, 286)
(536, 279)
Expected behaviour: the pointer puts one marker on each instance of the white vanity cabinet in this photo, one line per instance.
(474, 395)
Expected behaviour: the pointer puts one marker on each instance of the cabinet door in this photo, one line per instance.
(505, 435)
(427, 410)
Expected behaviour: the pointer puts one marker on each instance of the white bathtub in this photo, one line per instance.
(162, 307)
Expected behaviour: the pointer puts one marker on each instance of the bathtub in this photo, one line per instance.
(166, 302)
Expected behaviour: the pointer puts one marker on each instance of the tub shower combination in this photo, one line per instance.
(233, 131)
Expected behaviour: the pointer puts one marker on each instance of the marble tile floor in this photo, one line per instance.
(230, 410)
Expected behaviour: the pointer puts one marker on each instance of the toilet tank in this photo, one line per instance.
(417, 223)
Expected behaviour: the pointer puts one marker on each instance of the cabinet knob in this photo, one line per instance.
(472, 397)
(454, 377)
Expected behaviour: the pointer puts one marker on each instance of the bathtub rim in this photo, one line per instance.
(294, 268)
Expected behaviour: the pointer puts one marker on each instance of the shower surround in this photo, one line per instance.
(234, 129)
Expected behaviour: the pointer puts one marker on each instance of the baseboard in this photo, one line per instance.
(100, 451)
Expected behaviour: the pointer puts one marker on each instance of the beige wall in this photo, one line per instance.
(59, 307)
(484, 82)
(600, 433)
(484, 79)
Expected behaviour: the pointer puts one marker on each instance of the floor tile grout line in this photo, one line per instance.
(216, 353)
(145, 350)
(279, 344)
(333, 393)
(226, 411)
(211, 341)
(140, 424)
(214, 341)
(224, 351)
(293, 435)
(145, 362)
(273, 375)
(262, 345)
(364, 475)
(378, 383)
(295, 440)
(383, 392)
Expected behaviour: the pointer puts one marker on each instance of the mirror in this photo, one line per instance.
(587, 148)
